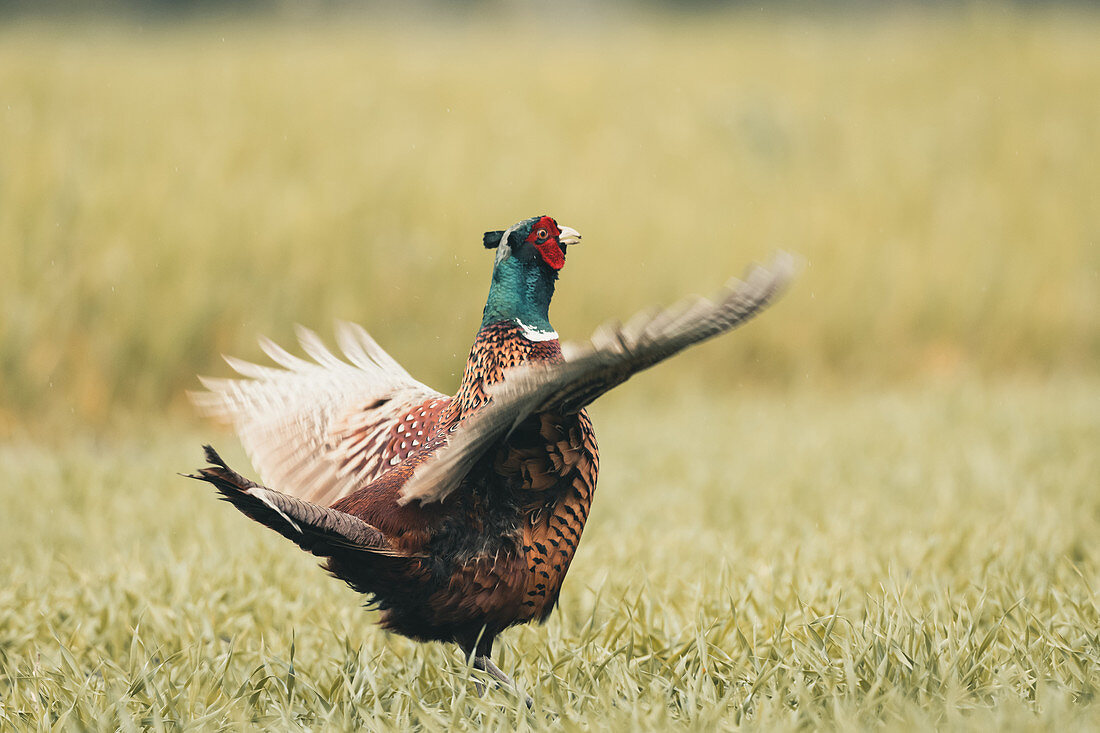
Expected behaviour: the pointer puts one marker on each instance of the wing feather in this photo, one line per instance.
(589, 369)
(317, 428)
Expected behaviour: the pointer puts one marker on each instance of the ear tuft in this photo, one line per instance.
(492, 239)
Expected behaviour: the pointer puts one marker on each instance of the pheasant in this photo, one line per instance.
(457, 516)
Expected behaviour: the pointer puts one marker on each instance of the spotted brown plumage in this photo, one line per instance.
(457, 516)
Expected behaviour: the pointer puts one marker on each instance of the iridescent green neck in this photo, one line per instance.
(521, 292)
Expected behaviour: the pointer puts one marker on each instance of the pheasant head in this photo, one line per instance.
(529, 255)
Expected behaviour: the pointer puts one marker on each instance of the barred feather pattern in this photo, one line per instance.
(564, 469)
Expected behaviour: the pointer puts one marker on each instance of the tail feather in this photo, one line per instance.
(322, 531)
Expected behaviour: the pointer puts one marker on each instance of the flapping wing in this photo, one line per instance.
(614, 353)
(318, 430)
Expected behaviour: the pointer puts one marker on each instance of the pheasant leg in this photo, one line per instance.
(485, 664)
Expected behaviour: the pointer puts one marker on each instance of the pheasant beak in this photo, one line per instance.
(568, 236)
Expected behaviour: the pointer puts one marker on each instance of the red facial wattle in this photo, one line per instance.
(552, 253)
(544, 236)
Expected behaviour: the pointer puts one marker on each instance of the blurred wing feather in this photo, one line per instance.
(316, 429)
(589, 369)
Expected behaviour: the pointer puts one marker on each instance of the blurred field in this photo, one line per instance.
(910, 558)
(878, 506)
(166, 194)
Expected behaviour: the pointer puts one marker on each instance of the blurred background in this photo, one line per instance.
(877, 503)
(177, 178)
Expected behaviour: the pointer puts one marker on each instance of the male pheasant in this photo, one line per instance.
(457, 516)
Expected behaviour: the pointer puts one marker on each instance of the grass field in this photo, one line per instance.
(921, 557)
(877, 507)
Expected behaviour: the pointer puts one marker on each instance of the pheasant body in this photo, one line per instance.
(496, 551)
(457, 516)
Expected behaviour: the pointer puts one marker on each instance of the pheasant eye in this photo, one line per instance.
(541, 234)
